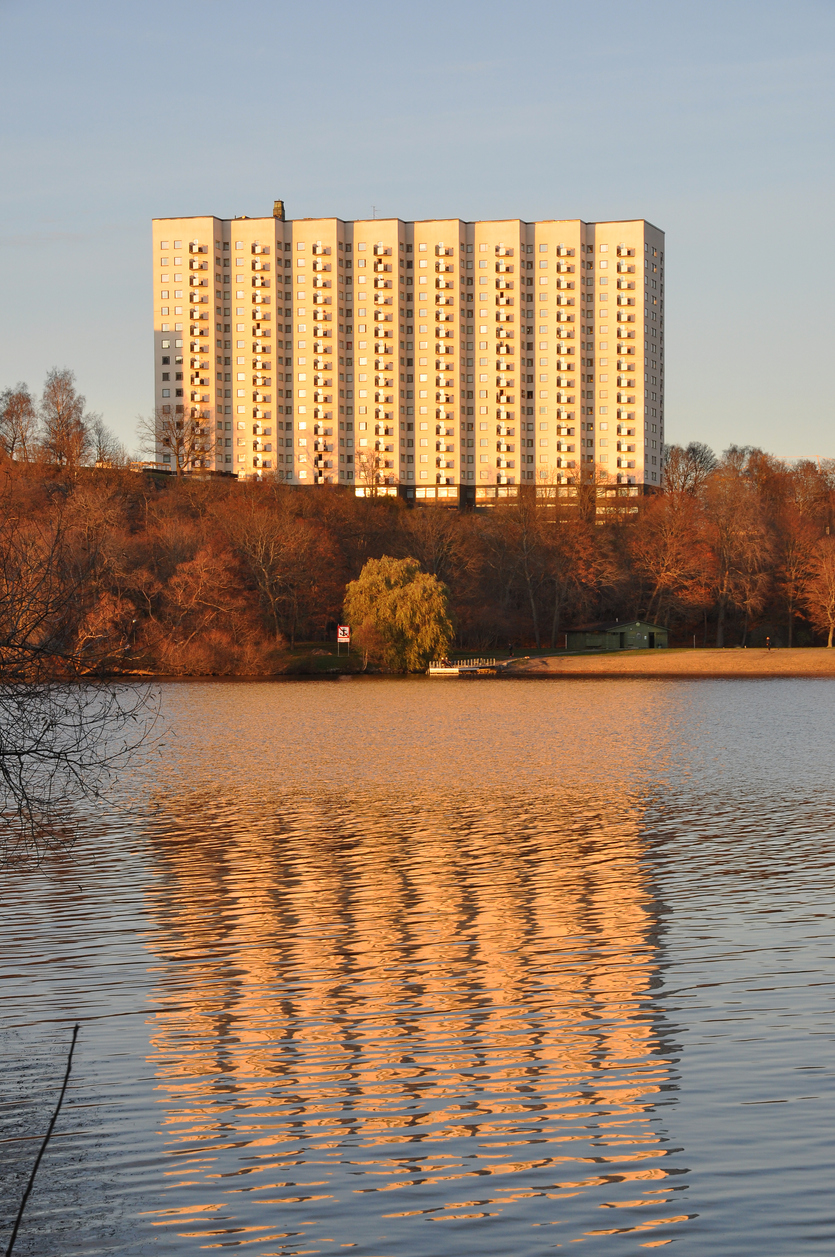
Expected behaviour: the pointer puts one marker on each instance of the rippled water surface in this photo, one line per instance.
(411, 967)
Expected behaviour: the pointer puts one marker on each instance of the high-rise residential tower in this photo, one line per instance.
(438, 353)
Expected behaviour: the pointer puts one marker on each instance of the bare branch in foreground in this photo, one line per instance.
(49, 1131)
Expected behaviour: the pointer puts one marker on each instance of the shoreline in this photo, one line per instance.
(756, 663)
(704, 663)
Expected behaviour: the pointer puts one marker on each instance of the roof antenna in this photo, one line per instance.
(373, 211)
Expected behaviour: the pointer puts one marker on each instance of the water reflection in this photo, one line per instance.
(381, 1015)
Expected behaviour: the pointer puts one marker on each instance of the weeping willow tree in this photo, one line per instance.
(399, 615)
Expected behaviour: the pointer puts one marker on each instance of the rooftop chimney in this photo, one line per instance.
(278, 210)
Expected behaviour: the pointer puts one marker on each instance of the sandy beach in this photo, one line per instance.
(813, 661)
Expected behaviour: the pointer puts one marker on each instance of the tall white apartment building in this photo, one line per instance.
(425, 354)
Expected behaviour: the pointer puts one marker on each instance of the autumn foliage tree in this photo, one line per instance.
(819, 590)
(197, 575)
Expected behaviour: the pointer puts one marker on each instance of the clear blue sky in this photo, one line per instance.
(713, 120)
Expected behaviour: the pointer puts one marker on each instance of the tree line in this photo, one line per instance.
(56, 428)
(112, 570)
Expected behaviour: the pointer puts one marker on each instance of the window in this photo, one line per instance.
(543, 266)
(482, 266)
(543, 248)
(604, 248)
(239, 244)
(164, 244)
(421, 248)
(300, 247)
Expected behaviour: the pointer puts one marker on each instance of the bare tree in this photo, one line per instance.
(65, 729)
(686, 470)
(369, 470)
(670, 556)
(18, 422)
(107, 450)
(739, 540)
(431, 535)
(819, 592)
(183, 433)
(66, 432)
(285, 561)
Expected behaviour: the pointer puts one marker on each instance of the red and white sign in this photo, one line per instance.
(343, 633)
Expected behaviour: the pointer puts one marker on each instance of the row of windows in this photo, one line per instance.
(381, 249)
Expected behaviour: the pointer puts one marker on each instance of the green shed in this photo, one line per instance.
(619, 635)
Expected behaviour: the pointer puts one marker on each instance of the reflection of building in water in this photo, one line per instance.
(424, 978)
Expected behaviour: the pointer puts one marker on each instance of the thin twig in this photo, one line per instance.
(43, 1146)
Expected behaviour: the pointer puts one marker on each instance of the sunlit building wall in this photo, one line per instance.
(427, 353)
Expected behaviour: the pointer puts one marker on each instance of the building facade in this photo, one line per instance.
(390, 353)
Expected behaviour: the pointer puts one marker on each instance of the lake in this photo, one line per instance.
(406, 968)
